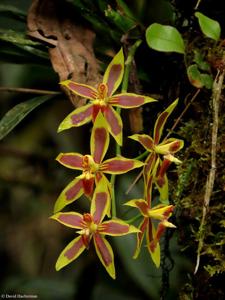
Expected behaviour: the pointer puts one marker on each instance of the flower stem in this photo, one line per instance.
(137, 217)
(124, 88)
(142, 155)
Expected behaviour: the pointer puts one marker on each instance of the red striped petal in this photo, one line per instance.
(164, 165)
(107, 187)
(143, 207)
(161, 120)
(119, 165)
(78, 117)
(161, 180)
(114, 228)
(145, 140)
(171, 145)
(159, 125)
(149, 165)
(99, 139)
(100, 202)
(70, 253)
(169, 211)
(162, 186)
(153, 244)
(159, 232)
(102, 248)
(114, 73)
(140, 236)
(69, 219)
(72, 192)
(148, 190)
(115, 124)
(149, 235)
(86, 240)
(82, 90)
(141, 204)
(176, 146)
(105, 254)
(71, 160)
(82, 116)
(129, 100)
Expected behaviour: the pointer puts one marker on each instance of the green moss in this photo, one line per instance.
(188, 194)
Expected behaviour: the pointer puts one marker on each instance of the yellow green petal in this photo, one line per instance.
(161, 120)
(101, 201)
(153, 245)
(71, 192)
(70, 253)
(105, 254)
(83, 90)
(114, 72)
(78, 117)
(99, 138)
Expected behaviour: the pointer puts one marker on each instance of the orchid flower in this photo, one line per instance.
(102, 99)
(91, 225)
(159, 213)
(92, 166)
(167, 148)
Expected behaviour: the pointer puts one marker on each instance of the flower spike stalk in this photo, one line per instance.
(93, 182)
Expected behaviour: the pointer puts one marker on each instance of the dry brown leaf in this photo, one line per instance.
(70, 45)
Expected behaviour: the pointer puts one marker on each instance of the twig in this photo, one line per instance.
(197, 4)
(216, 94)
(28, 91)
(183, 112)
(137, 178)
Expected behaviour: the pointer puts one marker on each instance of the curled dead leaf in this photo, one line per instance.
(70, 45)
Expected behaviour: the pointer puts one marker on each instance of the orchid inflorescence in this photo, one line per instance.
(94, 184)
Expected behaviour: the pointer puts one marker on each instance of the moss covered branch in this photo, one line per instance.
(216, 95)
